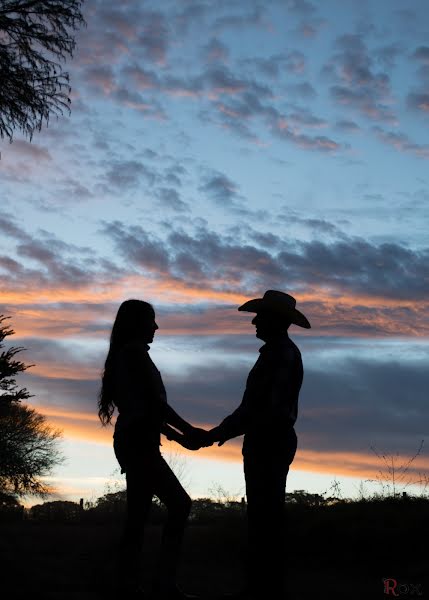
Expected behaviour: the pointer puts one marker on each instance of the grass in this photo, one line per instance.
(341, 551)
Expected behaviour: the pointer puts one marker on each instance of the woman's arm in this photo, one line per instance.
(172, 418)
(170, 433)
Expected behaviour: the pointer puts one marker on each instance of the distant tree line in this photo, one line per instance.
(112, 506)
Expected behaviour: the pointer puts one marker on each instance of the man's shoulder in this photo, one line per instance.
(281, 353)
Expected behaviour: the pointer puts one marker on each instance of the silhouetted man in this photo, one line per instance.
(266, 417)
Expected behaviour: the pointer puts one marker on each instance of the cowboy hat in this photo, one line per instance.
(278, 303)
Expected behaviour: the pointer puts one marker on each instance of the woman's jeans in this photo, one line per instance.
(148, 475)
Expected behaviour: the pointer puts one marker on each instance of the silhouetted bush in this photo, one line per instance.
(10, 508)
(59, 510)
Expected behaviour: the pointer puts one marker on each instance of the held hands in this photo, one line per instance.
(216, 435)
(196, 438)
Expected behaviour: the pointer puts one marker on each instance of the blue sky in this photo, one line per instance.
(215, 150)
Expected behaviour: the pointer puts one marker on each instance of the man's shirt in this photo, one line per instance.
(269, 408)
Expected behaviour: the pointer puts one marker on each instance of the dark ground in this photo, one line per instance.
(337, 552)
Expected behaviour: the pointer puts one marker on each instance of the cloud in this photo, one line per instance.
(145, 78)
(75, 394)
(125, 174)
(421, 54)
(102, 78)
(357, 84)
(57, 319)
(191, 15)
(347, 403)
(309, 28)
(73, 190)
(347, 126)
(116, 29)
(419, 102)
(318, 226)
(254, 18)
(320, 142)
(387, 270)
(139, 247)
(154, 38)
(387, 55)
(45, 265)
(237, 112)
(222, 81)
(346, 266)
(418, 99)
(216, 51)
(226, 90)
(348, 284)
(170, 198)
(402, 142)
(274, 66)
(301, 117)
(302, 90)
(368, 400)
(61, 359)
(301, 7)
(32, 151)
(9, 227)
(220, 188)
(343, 409)
(190, 311)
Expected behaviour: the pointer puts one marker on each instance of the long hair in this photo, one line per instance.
(126, 328)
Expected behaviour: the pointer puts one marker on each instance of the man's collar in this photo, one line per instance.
(278, 341)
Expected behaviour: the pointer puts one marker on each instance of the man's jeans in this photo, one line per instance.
(265, 473)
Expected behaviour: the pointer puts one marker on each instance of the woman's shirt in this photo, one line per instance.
(140, 396)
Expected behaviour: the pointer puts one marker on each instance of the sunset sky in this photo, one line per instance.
(217, 149)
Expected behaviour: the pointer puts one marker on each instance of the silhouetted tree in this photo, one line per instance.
(35, 36)
(28, 445)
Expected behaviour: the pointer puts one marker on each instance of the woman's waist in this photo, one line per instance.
(130, 415)
(134, 422)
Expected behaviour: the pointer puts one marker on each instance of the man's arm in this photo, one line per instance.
(278, 382)
(232, 426)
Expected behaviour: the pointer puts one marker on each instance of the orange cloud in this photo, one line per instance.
(79, 426)
(170, 290)
(53, 370)
(86, 427)
(330, 312)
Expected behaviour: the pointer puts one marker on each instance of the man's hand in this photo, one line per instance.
(216, 435)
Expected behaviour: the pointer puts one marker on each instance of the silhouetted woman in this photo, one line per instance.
(133, 385)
